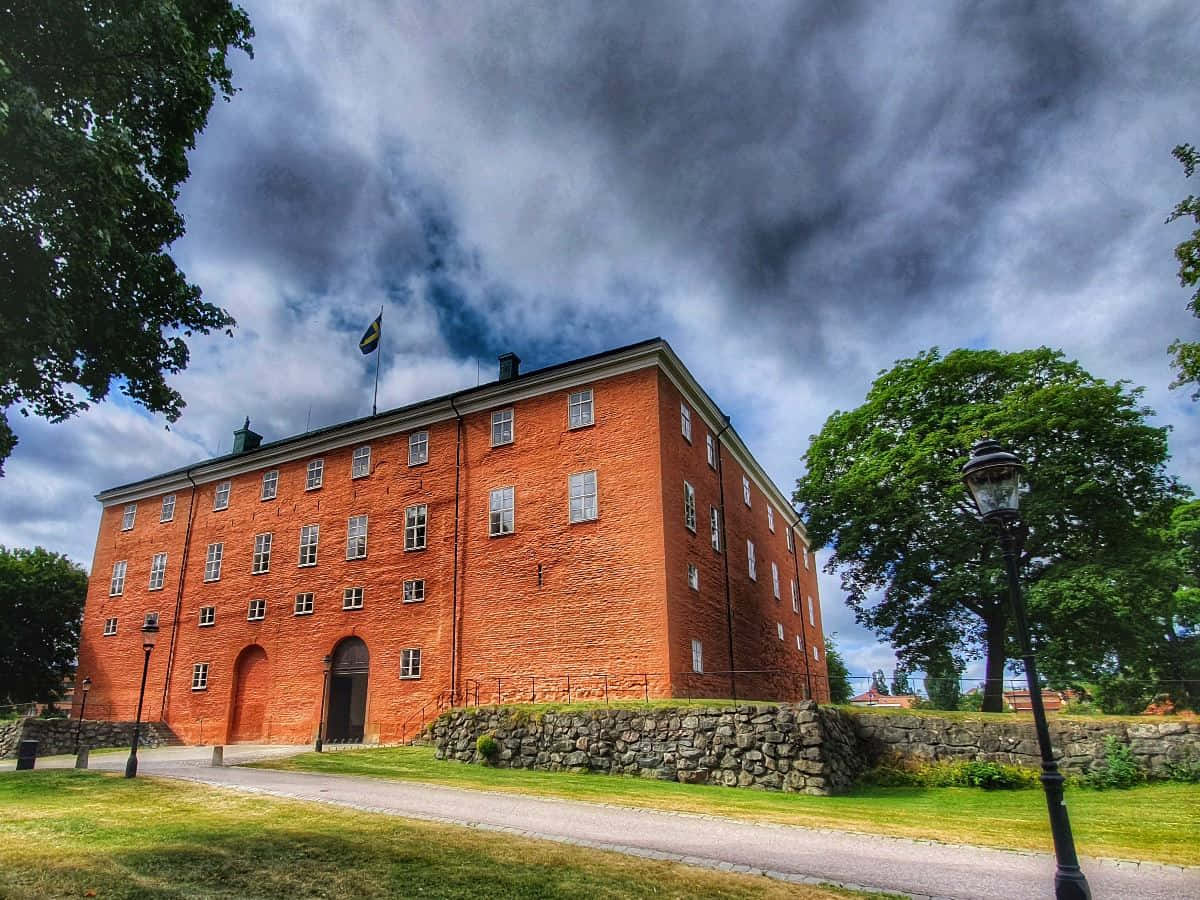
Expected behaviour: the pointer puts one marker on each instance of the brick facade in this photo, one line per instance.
(553, 610)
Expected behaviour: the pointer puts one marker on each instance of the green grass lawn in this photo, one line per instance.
(85, 834)
(1156, 822)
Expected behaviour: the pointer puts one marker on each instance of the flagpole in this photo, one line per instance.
(378, 356)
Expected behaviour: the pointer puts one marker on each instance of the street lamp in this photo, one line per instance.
(327, 662)
(993, 476)
(85, 686)
(149, 635)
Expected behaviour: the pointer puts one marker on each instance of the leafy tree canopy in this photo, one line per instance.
(1184, 354)
(99, 103)
(883, 489)
(840, 690)
(41, 604)
(900, 684)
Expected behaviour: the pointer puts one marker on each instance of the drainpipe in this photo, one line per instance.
(796, 551)
(187, 543)
(725, 554)
(454, 589)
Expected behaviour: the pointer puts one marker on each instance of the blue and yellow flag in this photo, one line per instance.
(370, 340)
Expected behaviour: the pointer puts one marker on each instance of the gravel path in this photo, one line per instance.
(915, 868)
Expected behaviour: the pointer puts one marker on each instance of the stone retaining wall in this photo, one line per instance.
(790, 748)
(817, 750)
(1078, 742)
(55, 736)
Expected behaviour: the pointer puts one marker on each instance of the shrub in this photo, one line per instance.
(896, 771)
(1186, 770)
(1120, 769)
(486, 746)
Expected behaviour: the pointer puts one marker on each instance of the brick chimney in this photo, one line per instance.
(510, 366)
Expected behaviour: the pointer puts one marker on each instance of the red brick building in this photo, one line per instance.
(590, 529)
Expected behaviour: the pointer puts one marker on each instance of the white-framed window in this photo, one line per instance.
(168, 508)
(414, 527)
(352, 598)
(410, 663)
(360, 464)
(771, 518)
(685, 421)
(502, 511)
(314, 474)
(750, 564)
(418, 448)
(304, 604)
(779, 629)
(693, 577)
(580, 411)
(795, 597)
(158, 571)
(697, 656)
(208, 616)
(714, 528)
(200, 677)
(414, 591)
(805, 554)
(262, 553)
(310, 536)
(257, 611)
(356, 537)
(110, 627)
(502, 427)
(212, 561)
(711, 443)
(270, 485)
(116, 586)
(812, 612)
(581, 493)
(129, 517)
(791, 542)
(746, 490)
(816, 653)
(775, 580)
(221, 496)
(689, 507)
(799, 643)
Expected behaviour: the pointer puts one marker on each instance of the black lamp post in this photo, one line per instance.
(85, 686)
(327, 662)
(993, 476)
(149, 635)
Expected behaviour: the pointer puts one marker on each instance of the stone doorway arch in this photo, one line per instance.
(348, 692)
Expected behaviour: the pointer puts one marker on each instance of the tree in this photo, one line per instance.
(883, 489)
(900, 683)
(840, 690)
(879, 682)
(99, 104)
(1184, 354)
(942, 674)
(41, 604)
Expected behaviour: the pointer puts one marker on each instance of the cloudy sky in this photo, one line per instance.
(795, 195)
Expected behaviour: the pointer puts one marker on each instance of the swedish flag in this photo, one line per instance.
(370, 340)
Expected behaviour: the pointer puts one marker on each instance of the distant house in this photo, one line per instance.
(1018, 701)
(873, 698)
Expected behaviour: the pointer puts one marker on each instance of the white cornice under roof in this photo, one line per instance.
(641, 356)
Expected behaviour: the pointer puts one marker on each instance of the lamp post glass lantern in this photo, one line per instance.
(85, 686)
(993, 476)
(149, 636)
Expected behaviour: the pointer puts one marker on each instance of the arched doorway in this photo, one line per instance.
(252, 685)
(347, 692)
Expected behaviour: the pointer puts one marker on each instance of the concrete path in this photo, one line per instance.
(916, 868)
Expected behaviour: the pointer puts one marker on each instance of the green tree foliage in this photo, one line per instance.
(1186, 354)
(840, 689)
(900, 683)
(99, 103)
(1132, 631)
(942, 684)
(41, 604)
(883, 490)
(879, 682)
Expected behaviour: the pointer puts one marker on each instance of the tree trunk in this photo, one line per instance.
(995, 627)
